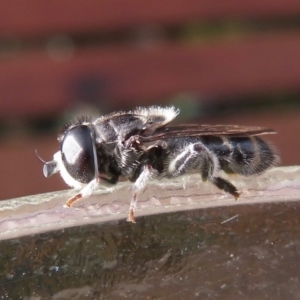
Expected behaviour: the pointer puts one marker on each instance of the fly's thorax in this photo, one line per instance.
(122, 125)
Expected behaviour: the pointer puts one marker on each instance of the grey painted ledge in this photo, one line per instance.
(46, 212)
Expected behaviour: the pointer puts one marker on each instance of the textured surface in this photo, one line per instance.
(186, 244)
(45, 212)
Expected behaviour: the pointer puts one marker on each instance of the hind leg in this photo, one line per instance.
(198, 157)
(226, 186)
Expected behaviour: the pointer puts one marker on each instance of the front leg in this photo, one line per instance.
(85, 192)
(145, 174)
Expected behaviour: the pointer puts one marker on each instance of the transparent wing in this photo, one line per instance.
(193, 130)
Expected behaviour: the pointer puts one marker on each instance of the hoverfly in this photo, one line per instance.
(140, 145)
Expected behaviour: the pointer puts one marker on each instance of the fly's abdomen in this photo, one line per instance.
(250, 155)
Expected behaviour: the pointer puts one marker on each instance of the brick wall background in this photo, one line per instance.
(232, 62)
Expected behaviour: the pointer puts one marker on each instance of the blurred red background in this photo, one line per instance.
(232, 62)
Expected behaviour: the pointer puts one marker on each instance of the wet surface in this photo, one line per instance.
(246, 251)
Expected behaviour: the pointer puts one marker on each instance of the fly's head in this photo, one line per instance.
(77, 159)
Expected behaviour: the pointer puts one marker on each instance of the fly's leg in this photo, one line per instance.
(73, 199)
(145, 174)
(85, 192)
(197, 156)
(209, 166)
(226, 186)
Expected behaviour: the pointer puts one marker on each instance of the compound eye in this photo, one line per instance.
(77, 152)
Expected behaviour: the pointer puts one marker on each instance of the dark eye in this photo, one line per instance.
(77, 152)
